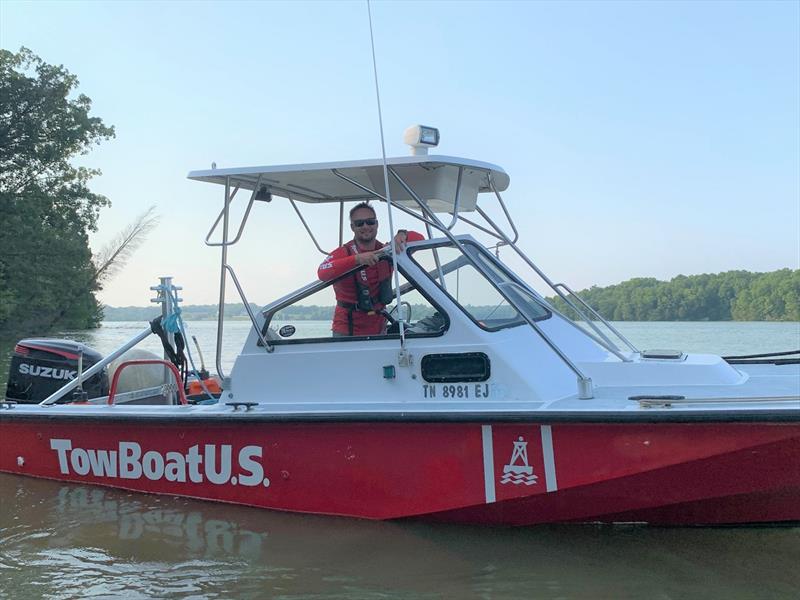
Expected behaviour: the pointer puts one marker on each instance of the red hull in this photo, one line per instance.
(505, 474)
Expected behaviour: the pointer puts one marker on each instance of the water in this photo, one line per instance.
(71, 541)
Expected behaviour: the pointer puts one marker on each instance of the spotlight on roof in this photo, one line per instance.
(420, 138)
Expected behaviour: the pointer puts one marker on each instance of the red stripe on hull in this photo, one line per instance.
(759, 484)
(670, 474)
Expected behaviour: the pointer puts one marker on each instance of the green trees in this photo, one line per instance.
(734, 295)
(46, 274)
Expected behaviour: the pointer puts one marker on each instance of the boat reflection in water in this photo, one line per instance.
(62, 541)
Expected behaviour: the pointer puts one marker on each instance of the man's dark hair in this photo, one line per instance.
(361, 205)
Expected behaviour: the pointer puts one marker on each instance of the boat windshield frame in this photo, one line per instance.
(477, 177)
(268, 312)
(511, 277)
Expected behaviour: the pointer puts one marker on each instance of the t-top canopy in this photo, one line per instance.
(432, 178)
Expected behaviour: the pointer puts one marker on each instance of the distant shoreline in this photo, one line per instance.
(729, 296)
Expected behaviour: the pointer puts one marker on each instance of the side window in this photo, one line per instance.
(309, 318)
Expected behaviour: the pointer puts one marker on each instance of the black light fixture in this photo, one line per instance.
(263, 194)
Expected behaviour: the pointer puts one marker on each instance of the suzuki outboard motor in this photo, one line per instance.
(39, 367)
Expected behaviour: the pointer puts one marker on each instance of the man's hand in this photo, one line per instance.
(367, 259)
(400, 241)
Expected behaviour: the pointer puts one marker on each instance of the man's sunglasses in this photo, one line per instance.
(362, 222)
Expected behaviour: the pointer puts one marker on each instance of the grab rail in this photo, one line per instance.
(244, 218)
(147, 361)
(584, 383)
(95, 368)
(457, 199)
(308, 230)
(269, 347)
(670, 401)
(603, 340)
(599, 317)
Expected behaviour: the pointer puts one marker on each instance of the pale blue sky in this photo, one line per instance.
(642, 138)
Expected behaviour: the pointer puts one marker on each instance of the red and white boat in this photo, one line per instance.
(483, 403)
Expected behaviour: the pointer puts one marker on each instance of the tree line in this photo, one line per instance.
(47, 278)
(729, 296)
(48, 273)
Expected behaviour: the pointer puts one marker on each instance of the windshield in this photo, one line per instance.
(478, 296)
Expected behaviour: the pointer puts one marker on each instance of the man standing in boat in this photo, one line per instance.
(361, 297)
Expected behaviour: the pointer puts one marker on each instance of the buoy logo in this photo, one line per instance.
(214, 463)
(517, 473)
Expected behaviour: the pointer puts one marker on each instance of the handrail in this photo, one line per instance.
(375, 194)
(503, 206)
(95, 368)
(584, 383)
(479, 227)
(244, 218)
(430, 218)
(341, 223)
(606, 342)
(222, 279)
(269, 347)
(146, 361)
(668, 401)
(599, 316)
(457, 198)
(603, 340)
(303, 221)
(436, 259)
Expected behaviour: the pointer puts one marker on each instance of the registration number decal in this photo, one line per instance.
(462, 390)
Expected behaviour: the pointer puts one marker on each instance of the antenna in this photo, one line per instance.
(386, 177)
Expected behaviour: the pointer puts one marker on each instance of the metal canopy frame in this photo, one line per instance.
(428, 217)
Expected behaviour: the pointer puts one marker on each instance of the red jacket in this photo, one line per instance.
(342, 260)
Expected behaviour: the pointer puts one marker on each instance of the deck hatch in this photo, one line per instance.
(452, 368)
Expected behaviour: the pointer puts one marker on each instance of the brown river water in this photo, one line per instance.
(75, 541)
(62, 541)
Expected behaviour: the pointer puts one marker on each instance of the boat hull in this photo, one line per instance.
(500, 474)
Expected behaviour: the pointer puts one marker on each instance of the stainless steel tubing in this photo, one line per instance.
(364, 188)
(599, 316)
(458, 197)
(606, 342)
(269, 347)
(223, 263)
(584, 383)
(341, 223)
(436, 259)
(303, 221)
(96, 368)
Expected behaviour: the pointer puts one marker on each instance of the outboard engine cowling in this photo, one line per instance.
(40, 367)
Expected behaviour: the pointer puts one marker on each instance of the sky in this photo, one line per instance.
(643, 139)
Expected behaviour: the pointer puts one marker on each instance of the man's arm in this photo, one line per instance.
(336, 263)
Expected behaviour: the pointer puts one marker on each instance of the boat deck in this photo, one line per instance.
(769, 393)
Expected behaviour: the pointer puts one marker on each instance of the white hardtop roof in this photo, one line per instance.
(433, 178)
